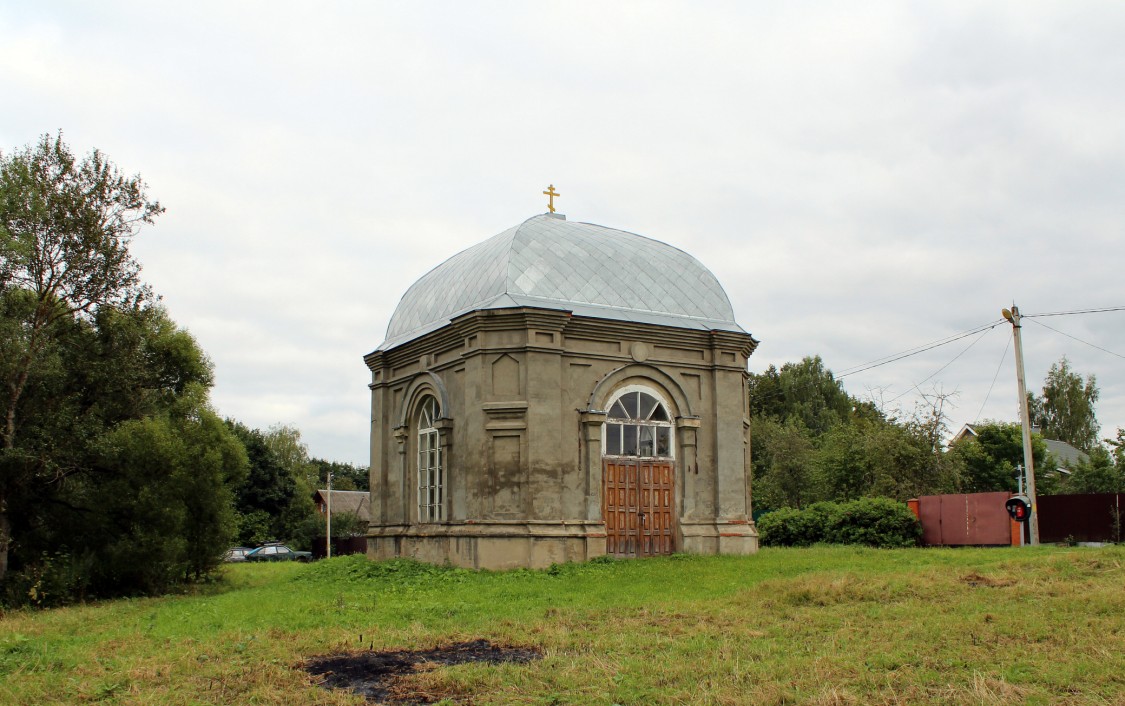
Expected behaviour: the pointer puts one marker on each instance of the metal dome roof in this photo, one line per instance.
(552, 263)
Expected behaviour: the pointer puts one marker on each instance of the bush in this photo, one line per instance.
(783, 528)
(874, 522)
(55, 579)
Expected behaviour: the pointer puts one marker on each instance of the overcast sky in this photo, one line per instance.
(863, 178)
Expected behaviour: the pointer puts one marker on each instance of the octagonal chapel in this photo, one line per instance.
(559, 392)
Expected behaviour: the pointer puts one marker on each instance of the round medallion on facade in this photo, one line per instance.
(639, 352)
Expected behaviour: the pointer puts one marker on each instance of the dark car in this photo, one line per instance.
(277, 552)
(237, 554)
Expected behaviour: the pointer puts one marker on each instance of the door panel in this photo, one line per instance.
(638, 507)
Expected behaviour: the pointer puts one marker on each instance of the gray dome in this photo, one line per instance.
(551, 263)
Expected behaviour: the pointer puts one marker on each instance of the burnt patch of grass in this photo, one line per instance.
(379, 676)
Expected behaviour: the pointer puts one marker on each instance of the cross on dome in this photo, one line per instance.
(550, 193)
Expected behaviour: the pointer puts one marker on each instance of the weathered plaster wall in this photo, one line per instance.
(523, 393)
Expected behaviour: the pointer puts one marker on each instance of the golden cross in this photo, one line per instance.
(550, 193)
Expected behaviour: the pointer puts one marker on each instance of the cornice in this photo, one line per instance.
(454, 335)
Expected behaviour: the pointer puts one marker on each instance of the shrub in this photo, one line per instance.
(874, 522)
(782, 528)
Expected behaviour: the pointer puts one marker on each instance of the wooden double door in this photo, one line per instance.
(637, 502)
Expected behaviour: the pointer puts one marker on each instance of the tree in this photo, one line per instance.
(165, 510)
(783, 464)
(276, 499)
(806, 392)
(988, 460)
(65, 228)
(345, 476)
(1097, 474)
(291, 452)
(813, 441)
(1118, 452)
(124, 470)
(267, 491)
(1065, 412)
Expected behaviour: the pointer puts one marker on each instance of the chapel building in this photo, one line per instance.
(559, 392)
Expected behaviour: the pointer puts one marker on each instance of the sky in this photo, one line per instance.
(863, 178)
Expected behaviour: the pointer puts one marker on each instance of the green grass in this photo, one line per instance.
(827, 625)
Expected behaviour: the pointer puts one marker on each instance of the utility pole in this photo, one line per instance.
(328, 539)
(1013, 317)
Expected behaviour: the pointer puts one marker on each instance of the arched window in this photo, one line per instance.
(638, 425)
(431, 471)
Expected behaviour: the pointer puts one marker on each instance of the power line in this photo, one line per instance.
(915, 351)
(1076, 338)
(1077, 311)
(1003, 357)
(895, 357)
(931, 375)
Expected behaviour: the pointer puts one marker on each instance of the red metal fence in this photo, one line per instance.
(979, 519)
(1094, 517)
(974, 519)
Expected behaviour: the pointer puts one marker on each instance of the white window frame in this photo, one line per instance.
(431, 468)
(618, 422)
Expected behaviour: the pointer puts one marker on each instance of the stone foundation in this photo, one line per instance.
(490, 545)
(509, 545)
(733, 537)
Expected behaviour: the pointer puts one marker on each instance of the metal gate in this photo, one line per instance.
(966, 519)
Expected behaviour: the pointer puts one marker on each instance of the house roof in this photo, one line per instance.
(1066, 455)
(354, 501)
(965, 432)
(589, 270)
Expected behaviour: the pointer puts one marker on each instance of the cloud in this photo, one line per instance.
(862, 179)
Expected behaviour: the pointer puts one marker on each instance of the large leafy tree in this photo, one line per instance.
(132, 470)
(1097, 474)
(65, 228)
(164, 503)
(115, 474)
(264, 497)
(275, 501)
(812, 441)
(804, 392)
(988, 460)
(1065, 411)
(783, 464)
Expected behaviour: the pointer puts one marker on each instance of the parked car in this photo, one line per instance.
(237, 554)
(277, 552)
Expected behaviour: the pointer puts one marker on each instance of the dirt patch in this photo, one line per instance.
(374, 674)
(974, 579)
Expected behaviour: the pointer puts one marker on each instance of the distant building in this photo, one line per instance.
(1066, 456)
(357, 502)
(559, 392)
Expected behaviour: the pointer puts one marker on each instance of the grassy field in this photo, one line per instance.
(826, 625)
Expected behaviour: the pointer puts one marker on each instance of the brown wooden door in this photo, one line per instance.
(637, 506)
